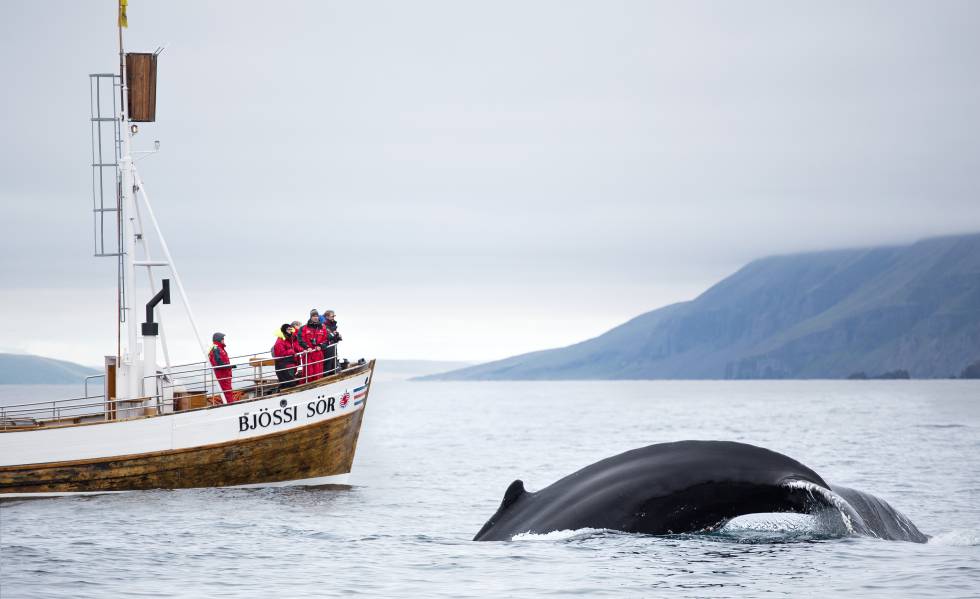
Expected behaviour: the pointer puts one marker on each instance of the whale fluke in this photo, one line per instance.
(879, 518)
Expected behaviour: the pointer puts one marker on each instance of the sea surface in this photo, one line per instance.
(433, 463)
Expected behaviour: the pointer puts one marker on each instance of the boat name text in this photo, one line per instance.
(265, 418)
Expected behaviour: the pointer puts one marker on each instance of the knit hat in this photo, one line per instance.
(313, 312)
(284, 327)
(218, 337)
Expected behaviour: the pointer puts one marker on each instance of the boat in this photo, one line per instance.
(172, 426)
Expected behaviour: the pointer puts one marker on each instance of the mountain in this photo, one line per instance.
(26, 369)
(400, 370)
(816, 315)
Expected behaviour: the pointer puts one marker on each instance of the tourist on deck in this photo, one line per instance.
(333, 337)
(300, 374)
(222, 366)
(285, 351)
(312, 336)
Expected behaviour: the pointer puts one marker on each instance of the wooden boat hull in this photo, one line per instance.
(323, 446)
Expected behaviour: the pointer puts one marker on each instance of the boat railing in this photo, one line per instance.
(31, 414)
(179, 387)
(93, 377)
(254, 371)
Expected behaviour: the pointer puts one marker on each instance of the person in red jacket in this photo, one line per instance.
(312, 336)
(285, 353)
(222, 366)
(300, 352)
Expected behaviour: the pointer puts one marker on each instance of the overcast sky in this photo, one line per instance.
(465, 180)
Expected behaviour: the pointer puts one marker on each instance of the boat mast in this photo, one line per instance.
(134, 363)
(119, 228)
(129, 369)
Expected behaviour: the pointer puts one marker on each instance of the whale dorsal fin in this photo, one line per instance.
(512, 494)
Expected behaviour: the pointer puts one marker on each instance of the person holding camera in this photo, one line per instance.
(333, 337)
(312, 337)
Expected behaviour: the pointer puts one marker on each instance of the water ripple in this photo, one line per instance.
(404, 527)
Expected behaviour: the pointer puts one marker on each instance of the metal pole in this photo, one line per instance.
(122, 63)
(149, 360)
(170, 261)
(130, 369)
(153, 290)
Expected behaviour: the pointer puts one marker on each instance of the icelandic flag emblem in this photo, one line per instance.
(344, 399)
(359, 394)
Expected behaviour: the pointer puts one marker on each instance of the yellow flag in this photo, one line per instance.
(123, 22)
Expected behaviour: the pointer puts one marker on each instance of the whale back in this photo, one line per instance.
(667, 488)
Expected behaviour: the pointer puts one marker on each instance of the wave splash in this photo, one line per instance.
(560, 535)
(958, 538)
(834, 505)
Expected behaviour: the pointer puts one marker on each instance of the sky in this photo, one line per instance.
(473, 180)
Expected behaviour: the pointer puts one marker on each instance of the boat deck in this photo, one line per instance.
(183, 388)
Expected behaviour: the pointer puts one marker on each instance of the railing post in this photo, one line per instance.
(260, 382)
(159, 394)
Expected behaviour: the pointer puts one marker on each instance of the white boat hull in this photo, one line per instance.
(302, 437)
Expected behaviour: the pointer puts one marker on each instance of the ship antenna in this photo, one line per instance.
(122, 22)
(121, 19)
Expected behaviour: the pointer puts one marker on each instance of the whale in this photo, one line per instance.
(689, 487)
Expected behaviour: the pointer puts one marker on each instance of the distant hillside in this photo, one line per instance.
(26, 370)
(817, 315)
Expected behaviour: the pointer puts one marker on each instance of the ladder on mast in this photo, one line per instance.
(118, 229)
(107, 147)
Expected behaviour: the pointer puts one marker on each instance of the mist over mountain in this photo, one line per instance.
(24, 369)
(831, 314)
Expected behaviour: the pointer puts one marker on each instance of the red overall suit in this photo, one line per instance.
(219, 357)
(286, 352)
(312, 336)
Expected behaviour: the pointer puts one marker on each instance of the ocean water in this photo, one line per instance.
(435, 458)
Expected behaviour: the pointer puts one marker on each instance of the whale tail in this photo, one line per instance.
(880, 519)
(862, 513)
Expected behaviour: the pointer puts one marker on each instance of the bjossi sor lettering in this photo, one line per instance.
(265, 417)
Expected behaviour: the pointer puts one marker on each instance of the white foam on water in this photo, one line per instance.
(773, 523)
(558, 535)
(957, 538)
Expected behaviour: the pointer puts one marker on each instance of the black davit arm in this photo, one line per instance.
(150, 328)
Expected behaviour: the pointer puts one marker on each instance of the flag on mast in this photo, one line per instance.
(123, 22)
